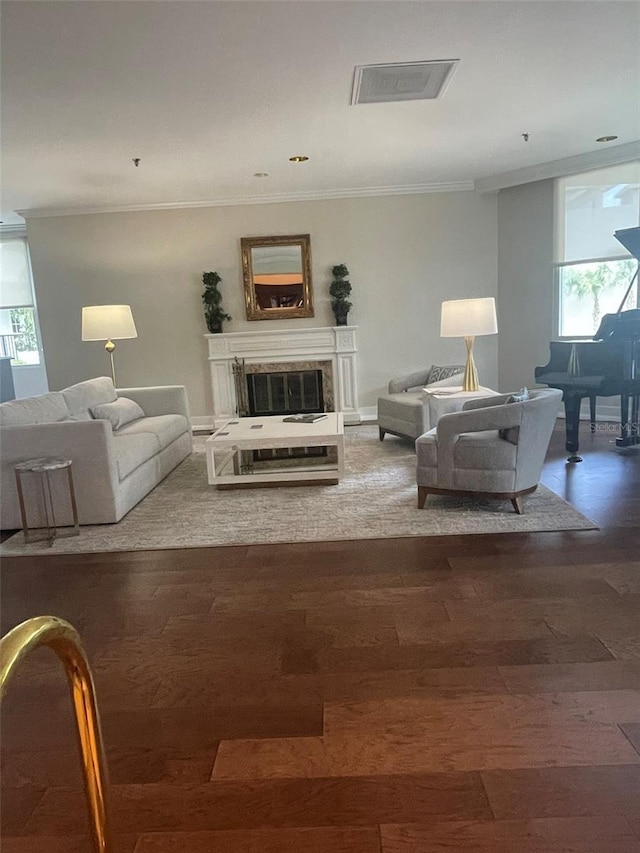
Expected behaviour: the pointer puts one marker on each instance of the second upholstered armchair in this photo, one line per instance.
(404, 410)
(494, 448)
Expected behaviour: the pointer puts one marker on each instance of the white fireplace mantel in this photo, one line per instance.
(336, 344)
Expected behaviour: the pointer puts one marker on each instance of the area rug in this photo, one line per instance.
(375, 500)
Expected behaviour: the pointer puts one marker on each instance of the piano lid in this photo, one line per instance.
(630, 239)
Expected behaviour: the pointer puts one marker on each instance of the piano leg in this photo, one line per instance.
(592, 412)
(572, 425)
(629, 427)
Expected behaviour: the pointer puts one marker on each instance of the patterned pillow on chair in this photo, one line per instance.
(520, 397)
(512, 433)
(437, 374)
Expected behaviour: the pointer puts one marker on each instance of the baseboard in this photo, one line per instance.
(368, 414)
(202, 423)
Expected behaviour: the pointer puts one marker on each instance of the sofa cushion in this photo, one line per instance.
(83, 395)
(406, 413)
(131, 451)
(472, 450)
(412, 403)
(484, 449)
(119, 413)
(163, 428)
(44, 409)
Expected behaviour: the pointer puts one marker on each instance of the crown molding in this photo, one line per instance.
(559, 168)
(276, 198)
(552, 169)
(17, 229)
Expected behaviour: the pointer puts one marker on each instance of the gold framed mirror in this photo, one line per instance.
(277, 277)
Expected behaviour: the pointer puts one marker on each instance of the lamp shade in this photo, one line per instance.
(462, 318)
(107, 322)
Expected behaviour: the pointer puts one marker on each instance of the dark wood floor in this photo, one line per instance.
(476, 693)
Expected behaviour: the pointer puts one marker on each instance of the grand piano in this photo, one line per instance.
(607, 366)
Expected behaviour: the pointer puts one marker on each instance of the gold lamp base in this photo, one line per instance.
(110, 347)
(470, 379)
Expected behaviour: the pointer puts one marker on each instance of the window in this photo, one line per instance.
(19, 337)
(593, 270)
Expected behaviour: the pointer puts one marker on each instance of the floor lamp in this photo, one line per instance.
(467, 318)
(108, 323)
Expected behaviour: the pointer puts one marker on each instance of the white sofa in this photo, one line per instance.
(113, 468)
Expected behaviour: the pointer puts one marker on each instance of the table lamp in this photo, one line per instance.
(108, 323)
(466, 318)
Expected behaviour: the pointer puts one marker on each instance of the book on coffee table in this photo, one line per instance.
(303, 419)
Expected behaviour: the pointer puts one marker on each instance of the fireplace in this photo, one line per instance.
(318, 361)
(285, 392)
(282, 389)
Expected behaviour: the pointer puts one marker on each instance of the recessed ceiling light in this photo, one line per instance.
(606, 138)
(299, 158)
(261, 174)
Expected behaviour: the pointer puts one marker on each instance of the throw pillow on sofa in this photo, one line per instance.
(119, 413)
(91, 392)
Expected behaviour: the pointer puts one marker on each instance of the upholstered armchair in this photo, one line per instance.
(404, 410)
(493, 448)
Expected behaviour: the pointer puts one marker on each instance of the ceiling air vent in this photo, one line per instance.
(404, 81)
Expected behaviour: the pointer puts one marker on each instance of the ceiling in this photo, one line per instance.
(209, 93)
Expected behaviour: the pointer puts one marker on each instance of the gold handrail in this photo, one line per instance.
(65, 642)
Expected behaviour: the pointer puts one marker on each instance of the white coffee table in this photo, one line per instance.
(443, 401)
(226, 467)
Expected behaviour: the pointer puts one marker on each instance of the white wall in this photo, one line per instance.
(525, 274)
(405, 255)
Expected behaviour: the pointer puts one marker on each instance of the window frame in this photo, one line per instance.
(557, 306)
(22, 236)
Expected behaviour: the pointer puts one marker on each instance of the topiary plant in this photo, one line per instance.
(339, 289)
(213, 312)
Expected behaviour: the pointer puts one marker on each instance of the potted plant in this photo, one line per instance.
(340, 289)
(214, 315)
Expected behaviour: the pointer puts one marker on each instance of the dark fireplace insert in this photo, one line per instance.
(293, 392)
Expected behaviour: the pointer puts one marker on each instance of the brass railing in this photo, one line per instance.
(65, 642)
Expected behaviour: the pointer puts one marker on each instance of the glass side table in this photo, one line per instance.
(42, 469)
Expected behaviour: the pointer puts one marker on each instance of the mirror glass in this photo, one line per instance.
(277, 277)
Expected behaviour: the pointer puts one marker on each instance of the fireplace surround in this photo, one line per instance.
(331, 349)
